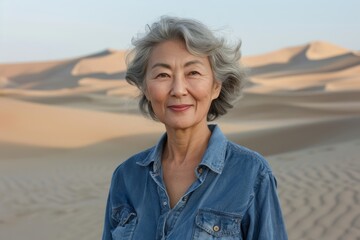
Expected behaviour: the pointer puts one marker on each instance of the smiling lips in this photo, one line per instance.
(180, 107)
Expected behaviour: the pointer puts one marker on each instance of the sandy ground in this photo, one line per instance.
(66, 125)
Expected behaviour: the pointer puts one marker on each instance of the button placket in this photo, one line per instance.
(164, 202)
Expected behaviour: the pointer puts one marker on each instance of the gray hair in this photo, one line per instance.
(199, 41)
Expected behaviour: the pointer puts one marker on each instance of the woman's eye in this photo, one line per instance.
(162, 75)
(194, 73)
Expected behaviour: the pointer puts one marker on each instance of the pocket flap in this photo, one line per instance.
(218, 224)
(123, 214)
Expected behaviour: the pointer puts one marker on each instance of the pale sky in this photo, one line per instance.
(39, 30)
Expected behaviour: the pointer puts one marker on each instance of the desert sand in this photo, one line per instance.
(66, 125)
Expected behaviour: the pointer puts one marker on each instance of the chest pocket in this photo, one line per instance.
(126, 220)
(216, 225)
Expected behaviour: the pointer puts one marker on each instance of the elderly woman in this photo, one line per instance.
(194, 184)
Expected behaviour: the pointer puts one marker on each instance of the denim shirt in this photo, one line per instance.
(234, 197)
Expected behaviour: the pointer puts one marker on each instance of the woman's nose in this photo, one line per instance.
(179, 87)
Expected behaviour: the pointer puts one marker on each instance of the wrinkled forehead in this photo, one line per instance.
(174, 52)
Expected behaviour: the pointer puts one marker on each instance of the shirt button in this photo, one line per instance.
(200, 170)
(216, 228)
(164, 203)
(185, 199)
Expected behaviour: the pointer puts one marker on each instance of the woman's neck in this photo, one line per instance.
(184, 145)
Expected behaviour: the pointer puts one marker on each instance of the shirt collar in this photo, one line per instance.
(213, 158)
(155, 155)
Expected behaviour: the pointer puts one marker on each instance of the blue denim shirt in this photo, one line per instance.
(234, 197)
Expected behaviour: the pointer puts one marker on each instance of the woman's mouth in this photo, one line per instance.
(180, 107)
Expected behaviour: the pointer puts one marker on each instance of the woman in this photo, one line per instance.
(194, 184)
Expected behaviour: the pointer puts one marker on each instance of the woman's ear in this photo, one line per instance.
(216, 89)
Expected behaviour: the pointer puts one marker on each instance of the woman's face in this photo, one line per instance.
(179, 85)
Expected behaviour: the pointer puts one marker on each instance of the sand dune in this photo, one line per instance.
(306, 81)
(315, 67)
(279, 56)
(321, 50)
(43, 126)
(16, 69)
(65, 125)
(309, 59)
(111, 62)
(62, 76)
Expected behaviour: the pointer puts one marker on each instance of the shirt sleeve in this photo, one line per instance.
(107, 223)
(263, 219)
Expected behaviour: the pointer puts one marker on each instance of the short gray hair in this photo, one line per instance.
(200, 41)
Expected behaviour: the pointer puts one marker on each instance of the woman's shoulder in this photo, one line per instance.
(247, 159)
(132, 162)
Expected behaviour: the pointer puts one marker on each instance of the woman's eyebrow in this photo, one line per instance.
(161, 65)
(193, 62)
(164, 65)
